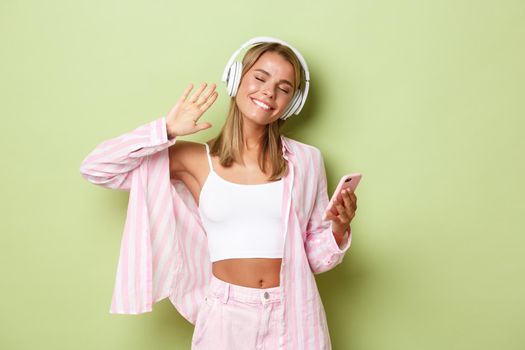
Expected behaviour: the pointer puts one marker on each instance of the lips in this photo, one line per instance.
(266, 104)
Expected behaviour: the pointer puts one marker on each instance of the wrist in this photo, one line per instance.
(341, 232)
(170, 133)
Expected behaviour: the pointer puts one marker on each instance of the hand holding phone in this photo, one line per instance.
(348, 181)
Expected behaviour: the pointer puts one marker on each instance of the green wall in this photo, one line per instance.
(425, 98)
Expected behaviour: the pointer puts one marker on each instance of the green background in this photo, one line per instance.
(425, 98)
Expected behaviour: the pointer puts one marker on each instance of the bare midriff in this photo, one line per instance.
(249, 272)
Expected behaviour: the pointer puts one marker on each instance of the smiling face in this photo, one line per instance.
(266, 89)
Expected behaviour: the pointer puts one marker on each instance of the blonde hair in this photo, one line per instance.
(228, 143)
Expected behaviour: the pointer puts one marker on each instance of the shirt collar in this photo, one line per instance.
(285, 145)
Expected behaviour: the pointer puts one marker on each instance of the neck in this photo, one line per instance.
(252, 136)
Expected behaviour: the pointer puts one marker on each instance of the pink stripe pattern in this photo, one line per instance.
(164, 249)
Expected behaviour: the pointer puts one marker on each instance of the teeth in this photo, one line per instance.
(261, 104)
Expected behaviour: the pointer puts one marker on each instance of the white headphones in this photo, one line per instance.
(232, 75)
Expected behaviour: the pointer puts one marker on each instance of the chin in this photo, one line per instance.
(257, 119)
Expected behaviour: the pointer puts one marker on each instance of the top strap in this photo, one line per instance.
(208, 154)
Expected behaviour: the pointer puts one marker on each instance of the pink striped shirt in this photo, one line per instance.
(164, 249)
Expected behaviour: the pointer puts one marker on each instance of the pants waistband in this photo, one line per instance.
(224, 290)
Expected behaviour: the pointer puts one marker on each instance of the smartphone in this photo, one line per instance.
(348, 181)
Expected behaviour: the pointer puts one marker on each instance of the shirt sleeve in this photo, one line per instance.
(111, 162)
(320, 245)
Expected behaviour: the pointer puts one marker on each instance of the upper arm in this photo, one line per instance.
(182, 156)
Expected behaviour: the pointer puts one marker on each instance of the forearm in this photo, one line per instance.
(110, 163)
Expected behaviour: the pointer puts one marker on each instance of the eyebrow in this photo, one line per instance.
(280, 81)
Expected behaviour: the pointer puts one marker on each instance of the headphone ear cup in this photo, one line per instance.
(294, 104)
(234, 82)
(230, 79)
(238, 74)
(298, 102)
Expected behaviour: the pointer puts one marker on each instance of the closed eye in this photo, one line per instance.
(286, 91)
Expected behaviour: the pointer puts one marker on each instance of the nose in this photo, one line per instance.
(268, 92)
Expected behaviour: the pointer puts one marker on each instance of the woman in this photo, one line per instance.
(229, 200)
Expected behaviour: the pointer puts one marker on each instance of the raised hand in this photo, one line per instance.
(182, 118)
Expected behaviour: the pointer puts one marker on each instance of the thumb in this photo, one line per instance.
(203, 126)
(329, 215)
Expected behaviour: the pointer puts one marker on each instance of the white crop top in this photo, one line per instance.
(241, 221)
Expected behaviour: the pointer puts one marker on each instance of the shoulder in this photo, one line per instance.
(301, 148)
(186, 148)
(182, 154)
(306, 157)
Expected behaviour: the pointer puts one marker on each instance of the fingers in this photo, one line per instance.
(204, 101)
(350, 196)
(210, 91)
(350, 199)
(197, 93)
(346, 199)
(209, 102)
(186, 93)
(330, 215)
(343, 214)
(346, 209)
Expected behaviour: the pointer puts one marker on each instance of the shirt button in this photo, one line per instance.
(266, 295)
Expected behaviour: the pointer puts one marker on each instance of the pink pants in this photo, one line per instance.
(237, 317)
